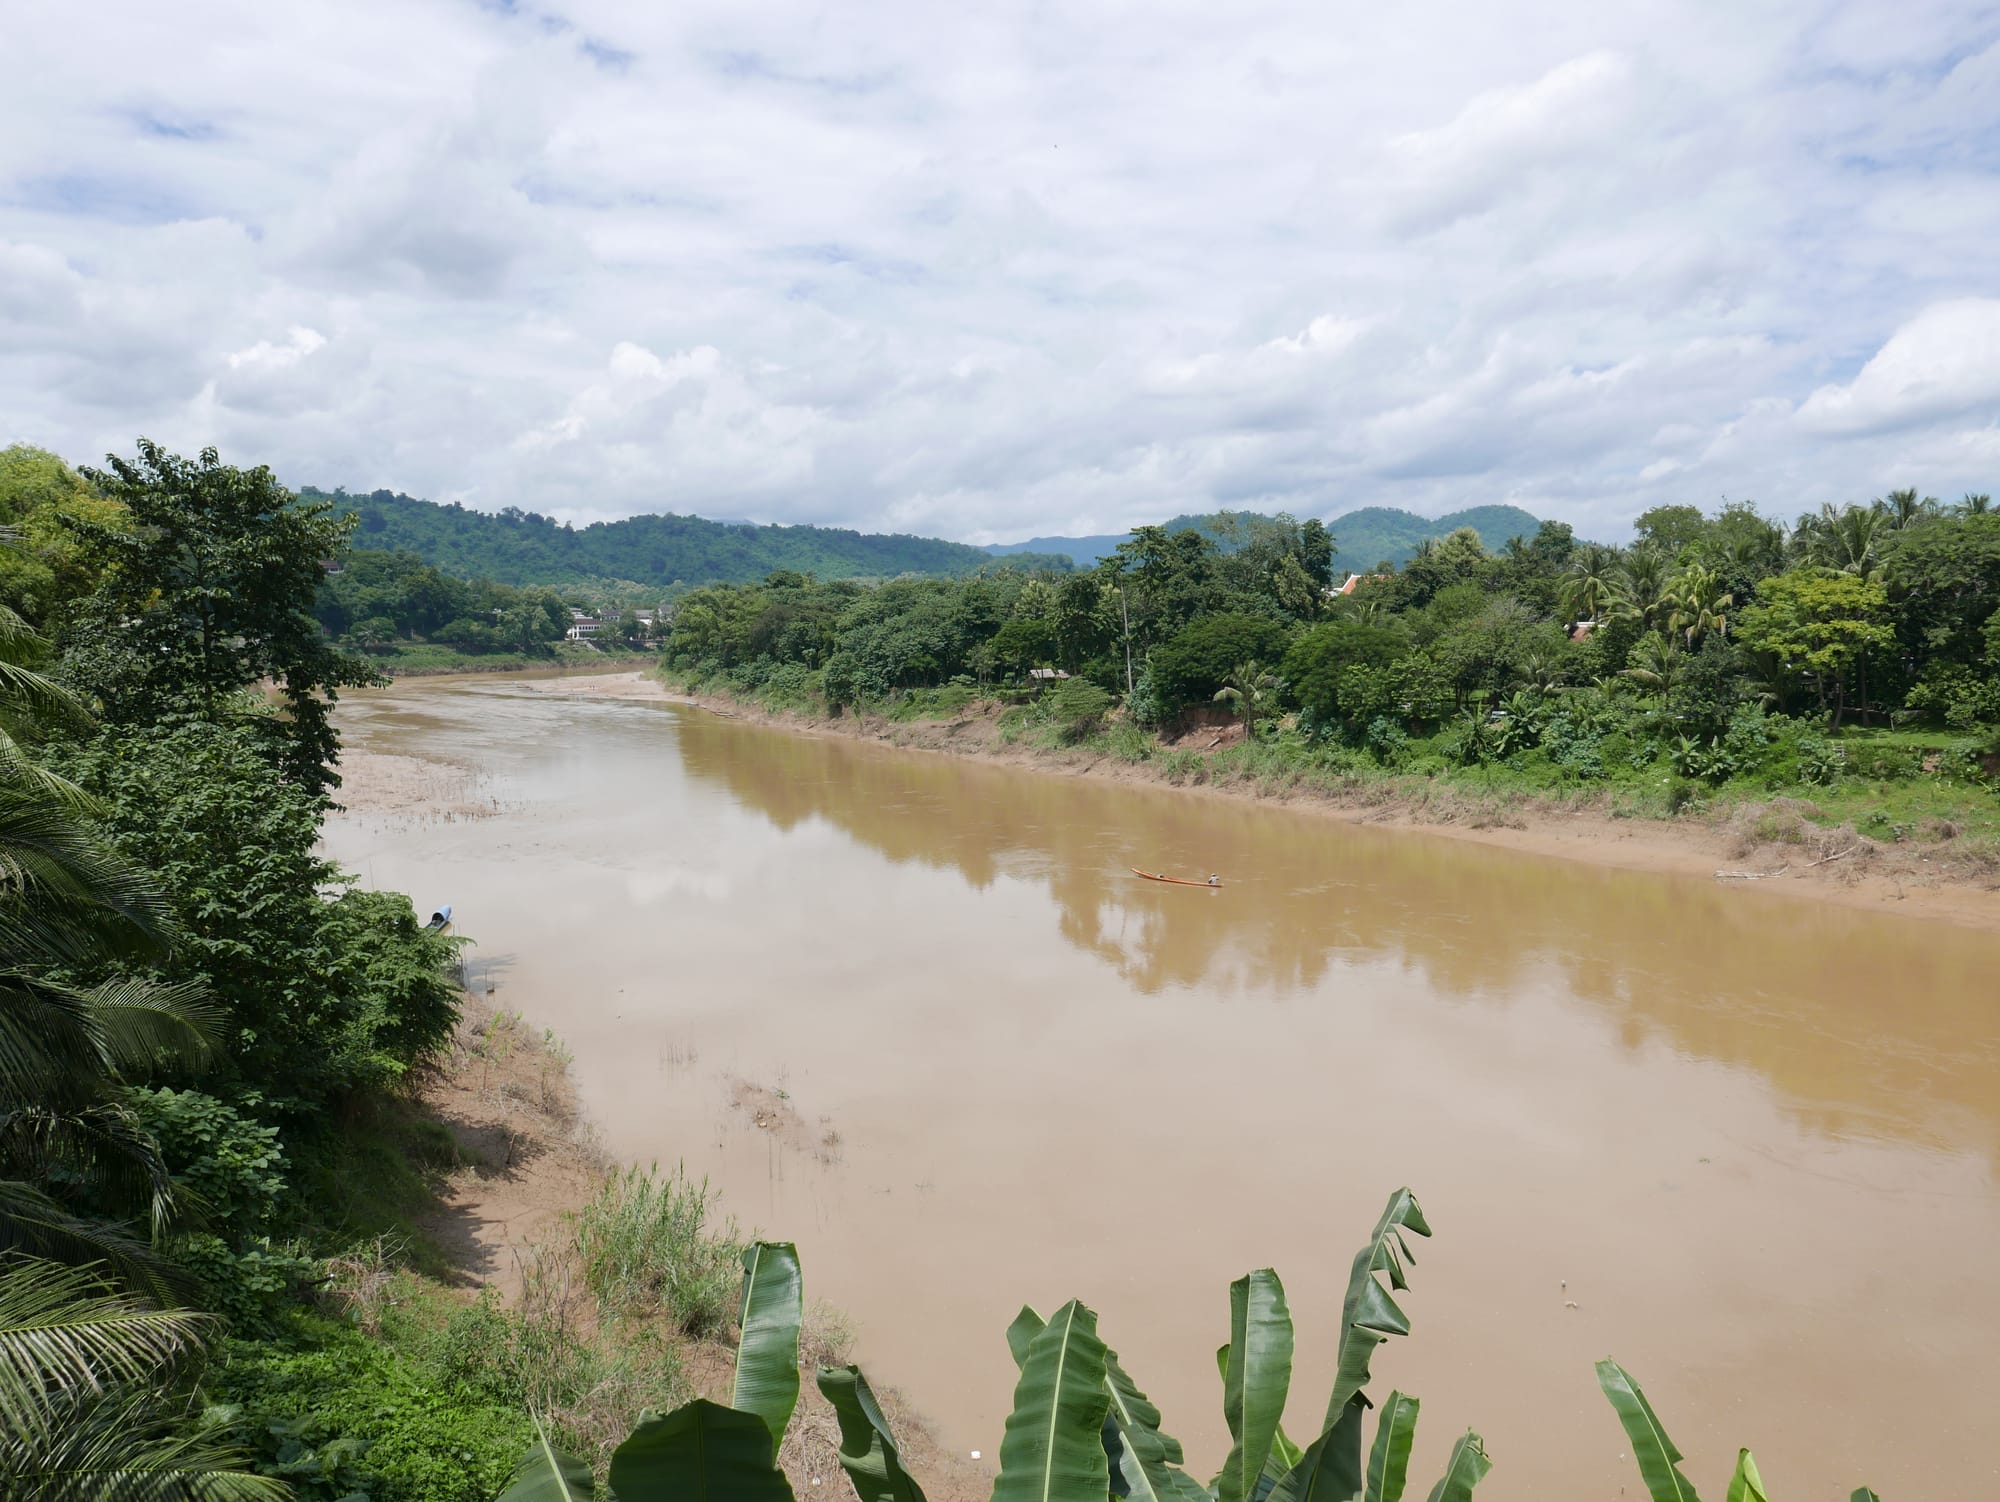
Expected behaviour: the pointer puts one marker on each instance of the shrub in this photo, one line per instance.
(1075, 708)
(336, 1413)
(645, 1241)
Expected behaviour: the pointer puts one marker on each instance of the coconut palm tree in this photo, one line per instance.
(92, 1386)
(1975, 505)
(1590, 583)
(1659, 664)
(1249, 686)
(1849, 540)
(1699, 603)
(1642, 588)
(1902, 508)
(69, 904)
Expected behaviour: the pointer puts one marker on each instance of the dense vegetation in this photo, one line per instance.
(1858, 648)
(205, 1029)
(1371, 536)
(651, 552)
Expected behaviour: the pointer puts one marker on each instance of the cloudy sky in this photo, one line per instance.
(987, 271)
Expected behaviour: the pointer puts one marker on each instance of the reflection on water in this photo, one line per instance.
(1723, 1120)
(1802, 993)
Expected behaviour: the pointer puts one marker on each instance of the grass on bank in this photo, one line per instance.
(401, 1382)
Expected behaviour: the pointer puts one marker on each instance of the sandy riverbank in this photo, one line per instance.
(1811, 864)
(528, 1161)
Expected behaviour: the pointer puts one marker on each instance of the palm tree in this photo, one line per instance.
(1901, 508)
(1642, 587)
(1975, 505)
(1700, 603)
(67, 904)
(1849, 541)
(1590, 583)
(1540, 674)
(1658, 664)
(92, 1386)
(1249, 684)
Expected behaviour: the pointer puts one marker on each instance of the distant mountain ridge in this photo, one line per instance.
(659, 551)
(1364, 538)
(656, 551)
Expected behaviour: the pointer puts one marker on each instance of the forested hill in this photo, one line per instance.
(523, 548)
(1364, 538)
(1374, 533)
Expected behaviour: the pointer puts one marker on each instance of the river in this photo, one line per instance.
(1746, 1145)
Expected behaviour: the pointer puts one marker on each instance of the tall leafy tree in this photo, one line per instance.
(207, 591)
(1824, 626)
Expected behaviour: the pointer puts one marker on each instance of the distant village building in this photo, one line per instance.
(1581, 631)
(1354, 582)
(1046, 675)
(583, 626)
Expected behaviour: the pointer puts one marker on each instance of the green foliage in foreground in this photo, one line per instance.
(1081, 1429)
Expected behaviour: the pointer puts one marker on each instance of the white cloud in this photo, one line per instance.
(1945, 362)
(988, 274)
(264, 355)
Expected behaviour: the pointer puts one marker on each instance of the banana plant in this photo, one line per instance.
(702, 1451)
(1081, 1430)
(1139, 1461)
(1658, 1458)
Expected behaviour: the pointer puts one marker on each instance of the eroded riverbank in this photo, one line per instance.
(1008, 1070)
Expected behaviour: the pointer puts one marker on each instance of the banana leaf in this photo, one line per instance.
(1330, 1469)
(767, 1352)
(546, 1474)
(867, 1449)
(1746, 1485)
(1659, 1461)
(1146, 1459)
(1465, 1470)
(1021, 1334)
(1284, 1457)
(1863, 1494)
(1256, 1379)
(701, 1452)
(1389, 1458)
(1368, 1315)
(1053, 1449)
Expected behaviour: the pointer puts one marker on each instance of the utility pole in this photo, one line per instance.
(1126, 617)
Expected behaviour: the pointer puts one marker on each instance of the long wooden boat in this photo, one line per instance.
(1175, 881)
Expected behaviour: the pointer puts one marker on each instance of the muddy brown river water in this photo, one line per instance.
(1745, 1145)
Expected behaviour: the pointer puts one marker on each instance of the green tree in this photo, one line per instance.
(1823, 627)
(1671, 530)
(1198, 660)
(320, 995)
(209, 592)
(42, 563)
(1318, 661)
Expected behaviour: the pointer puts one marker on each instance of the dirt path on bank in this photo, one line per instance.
(1771, 852)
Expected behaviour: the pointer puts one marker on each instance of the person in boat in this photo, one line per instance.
(1214, 880)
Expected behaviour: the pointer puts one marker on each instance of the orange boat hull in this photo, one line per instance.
(1173, 881)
